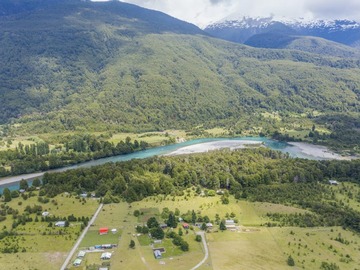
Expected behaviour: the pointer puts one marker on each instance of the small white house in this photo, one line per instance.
(77, 262)
(106, 256)
(81, 254)
(60, 224)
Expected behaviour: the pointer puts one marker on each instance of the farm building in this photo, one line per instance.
(229, 222)
(103, 231)
(157, 254)
(60, 224)
(81, 254)
(77, 262)
(106, 256)
(230, 227)
(185, 226)
(114, 231)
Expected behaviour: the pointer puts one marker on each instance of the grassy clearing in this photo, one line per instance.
(147, 213)
(93, 238)
(144, 240)
(348, 194)
(217, 131)
(272, 115)
(14, 142)
(311, 246)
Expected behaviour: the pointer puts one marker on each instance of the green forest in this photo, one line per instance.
(75, 149)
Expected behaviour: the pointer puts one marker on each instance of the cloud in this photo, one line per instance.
(203, 12)
(334, 8)
(215, 2)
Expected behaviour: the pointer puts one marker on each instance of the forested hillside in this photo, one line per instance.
(74, 65)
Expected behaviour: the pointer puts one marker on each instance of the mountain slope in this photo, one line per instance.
(50, 46)
(91, 66)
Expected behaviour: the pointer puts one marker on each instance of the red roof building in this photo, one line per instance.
(103, 231)
(185, 226)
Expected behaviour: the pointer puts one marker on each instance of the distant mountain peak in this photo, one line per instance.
(241, 28)
(263, 22)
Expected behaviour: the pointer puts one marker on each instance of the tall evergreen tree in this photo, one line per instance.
(7, 195)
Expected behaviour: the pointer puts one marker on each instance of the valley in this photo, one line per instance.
(168, 146)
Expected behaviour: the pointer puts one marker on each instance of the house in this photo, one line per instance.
(186, 226)
(333, 182)
(81, 254)
(209, 225)
(114, 231)
(158, 241)
(77, 262)
(60, 224)
(83, 195)
(163, 226)
(103, 231)
(157, 254)
(229, 222)
(106, 256)
(45, 214)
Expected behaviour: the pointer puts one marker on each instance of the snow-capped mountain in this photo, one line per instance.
(241, 30)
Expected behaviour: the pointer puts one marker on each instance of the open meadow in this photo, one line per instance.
(251, 244)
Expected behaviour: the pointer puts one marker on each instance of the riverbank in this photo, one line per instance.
(295, 149)
(318, 151)
(211, 146)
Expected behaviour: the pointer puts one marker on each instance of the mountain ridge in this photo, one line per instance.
(240, 30)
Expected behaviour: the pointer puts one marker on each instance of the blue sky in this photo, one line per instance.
(204, 12)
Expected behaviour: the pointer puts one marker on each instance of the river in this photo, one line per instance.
(192, 146)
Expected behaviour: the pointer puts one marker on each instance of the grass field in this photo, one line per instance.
(253, 246)
(41, 246)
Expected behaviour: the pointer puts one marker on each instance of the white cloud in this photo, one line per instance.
(203, 12)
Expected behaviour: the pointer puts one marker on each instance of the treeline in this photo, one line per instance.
(76, 149)
(238, 171)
